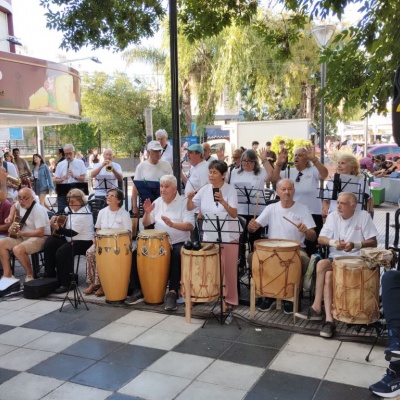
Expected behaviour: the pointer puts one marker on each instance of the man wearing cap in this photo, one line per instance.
(151, 169)
(166, 153)
(8, 168)
(198, 173)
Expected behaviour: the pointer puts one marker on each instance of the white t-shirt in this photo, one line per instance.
(254, 184)
(176, 211)
(348, 184)
(307, 189)
(167, 154)
(204, 200)
(119, 219)
(82, 222)
(152, 172)
(11, 170)
(355, 229)
(279, 228)
(211, 158)
(106, 179)
(38, 218)
(198, 176)
(76, 166)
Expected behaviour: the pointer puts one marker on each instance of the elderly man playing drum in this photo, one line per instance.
(169, 214)
(289, 220)
(346, 231)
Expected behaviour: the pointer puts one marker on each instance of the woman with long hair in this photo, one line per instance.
(42, 180)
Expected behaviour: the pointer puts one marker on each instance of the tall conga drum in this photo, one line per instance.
(114, 262)
(153, 258)
(355, 290)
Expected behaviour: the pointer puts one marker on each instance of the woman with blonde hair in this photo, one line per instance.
(73, 239)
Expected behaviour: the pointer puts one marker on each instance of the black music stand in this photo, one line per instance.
(217, 224)
(147, 190)
(63, 188)
(74, 283)
(104, 182)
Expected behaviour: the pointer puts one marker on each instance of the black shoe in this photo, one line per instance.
(328, 329)
(393, 346)
(388, 386)
(62, 289)
(267, 305)
(288, 307)
(170, 301)
(136, 297)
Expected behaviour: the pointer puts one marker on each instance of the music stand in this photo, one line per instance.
(74, 283)
(147, 189)
(215, 226)
(105, 183)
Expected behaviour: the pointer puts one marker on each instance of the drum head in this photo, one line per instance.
(111, 232)
(152, 233)
(350, 262)
(276, 243)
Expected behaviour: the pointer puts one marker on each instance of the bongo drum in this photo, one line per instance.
(276, 270)
(114, 261)
(153, 258)
(355, 290)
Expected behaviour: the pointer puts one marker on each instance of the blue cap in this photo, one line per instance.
(196, 147)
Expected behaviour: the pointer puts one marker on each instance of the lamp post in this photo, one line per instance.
(322, 35)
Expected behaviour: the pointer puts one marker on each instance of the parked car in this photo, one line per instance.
(390, 150)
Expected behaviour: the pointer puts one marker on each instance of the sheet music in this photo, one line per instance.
(245, 208)
(230, 227)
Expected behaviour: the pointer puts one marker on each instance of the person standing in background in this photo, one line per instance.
(21, 164)
(42, 180)
(166, 153)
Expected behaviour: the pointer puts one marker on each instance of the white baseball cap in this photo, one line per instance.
(154, 145)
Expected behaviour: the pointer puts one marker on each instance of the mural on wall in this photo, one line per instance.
(33, 85)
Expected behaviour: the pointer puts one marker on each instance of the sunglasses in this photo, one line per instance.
(299, 176)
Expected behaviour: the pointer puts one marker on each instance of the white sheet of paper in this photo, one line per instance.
(5, 283)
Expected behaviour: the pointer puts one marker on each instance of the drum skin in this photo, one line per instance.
(114, 262)
(276, 267)
(201, 270)
(153, 259)
(355, 297)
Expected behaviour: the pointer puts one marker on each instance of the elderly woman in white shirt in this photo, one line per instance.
(111, 217)
(59, 252)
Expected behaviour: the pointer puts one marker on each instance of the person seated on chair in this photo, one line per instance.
(111, 217)
(345, 231)
(110, 173)
(71, 240)
(168, 213)
(5, 207)
(30, 233)
(289, 220)
(389, 385)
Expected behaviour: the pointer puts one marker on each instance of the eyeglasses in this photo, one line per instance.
(68, 153)
(110, 195)
(247, 162)
(300, 174)
(24, 198)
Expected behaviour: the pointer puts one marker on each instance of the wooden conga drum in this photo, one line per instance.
(153, 258)
(355, 297)
(114, 262)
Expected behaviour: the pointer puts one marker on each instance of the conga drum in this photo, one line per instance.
(276, 270)
(153, 258)
(114, 262)
(355, 290)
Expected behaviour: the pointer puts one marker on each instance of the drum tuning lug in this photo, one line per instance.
(116, 250)
(100, 250)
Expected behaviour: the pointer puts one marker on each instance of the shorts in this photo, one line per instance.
(32, 245)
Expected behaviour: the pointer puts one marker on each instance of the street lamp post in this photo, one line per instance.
(322, 35)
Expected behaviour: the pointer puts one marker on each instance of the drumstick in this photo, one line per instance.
(287, 219)
(207, 246)
(195, 192)
(256, 206)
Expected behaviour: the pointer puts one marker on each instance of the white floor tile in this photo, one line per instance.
(301, 364)
(202, 390)
(20, 336)
(317, 346)
(231, 375)
(158, 339)
(355, 374)
(119, 332)
(16, 303)
(141, 318)
(5, 348)
(44, 307)
(18, 318)
(28, 387)
(183, 365)
(23, 359)
(356, 352)
(152, 386)
(69, 391)
(54, 341)
(176, 323)
(4, 311)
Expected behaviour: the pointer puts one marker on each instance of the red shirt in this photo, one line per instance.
(4, 213)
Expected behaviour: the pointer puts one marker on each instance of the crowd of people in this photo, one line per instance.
(335, 214)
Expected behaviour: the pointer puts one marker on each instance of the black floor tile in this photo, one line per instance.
(6, 374)
(203, 346)
(70, 310)
(62, 366)
(333, 391)
(107, 376)
(134, 356)
(5, 328)
(92, 348)
(267, 337)
(119, 396)
(250, 355)
(82, 326)
(221, 331)
(106, 313)
(50, 322)
(275, 385)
